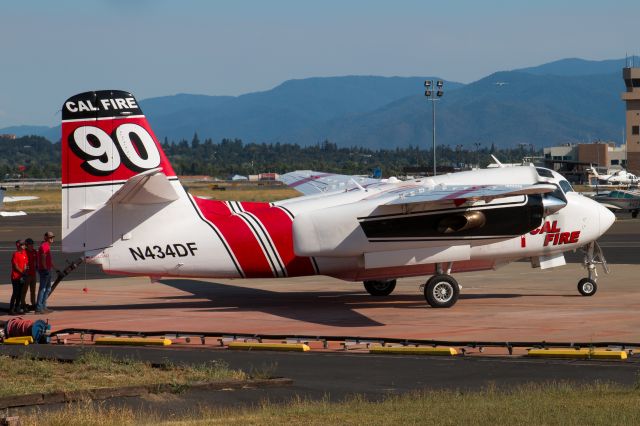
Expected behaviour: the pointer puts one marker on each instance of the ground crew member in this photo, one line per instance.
(45, 267)
(30, 277)
(18, 267)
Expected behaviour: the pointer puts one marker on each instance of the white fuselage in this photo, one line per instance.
(325, 232)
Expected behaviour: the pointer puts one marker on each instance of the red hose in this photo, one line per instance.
(19, 327)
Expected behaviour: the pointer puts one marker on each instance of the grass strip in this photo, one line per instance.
(548, 404)
(93, 370)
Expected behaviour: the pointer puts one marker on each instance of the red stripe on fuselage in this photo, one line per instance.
(278, 225)
(244, 244)
(214, 207)
(239, 238)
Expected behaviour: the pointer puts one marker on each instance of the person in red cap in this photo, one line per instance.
(18, 267)
(45, 266)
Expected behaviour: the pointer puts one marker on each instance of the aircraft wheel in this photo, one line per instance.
(634, 214)
(380, 288)
(587, 287)
(441, 291)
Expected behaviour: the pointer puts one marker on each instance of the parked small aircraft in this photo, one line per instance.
(620, 200)
(13, 199)
(620, 177)
(124, 207)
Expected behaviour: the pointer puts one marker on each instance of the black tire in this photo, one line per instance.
(441, 291)
(380, 288)
(634, 214)
(587, 287)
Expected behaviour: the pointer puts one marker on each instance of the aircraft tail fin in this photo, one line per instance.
(109, 156)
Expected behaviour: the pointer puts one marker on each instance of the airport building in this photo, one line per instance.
(631, 98)
(573, 160)
(600, 154)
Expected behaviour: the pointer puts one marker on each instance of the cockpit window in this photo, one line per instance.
(544, 172)
(566, 186)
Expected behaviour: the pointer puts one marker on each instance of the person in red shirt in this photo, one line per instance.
(18, 267)
(45, 266)
(30, 277)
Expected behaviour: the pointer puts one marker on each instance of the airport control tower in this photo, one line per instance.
(631, 98)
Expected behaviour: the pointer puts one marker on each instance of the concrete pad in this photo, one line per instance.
(515, 303)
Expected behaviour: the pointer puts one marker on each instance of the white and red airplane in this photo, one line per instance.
(620, 177)
(124, 207)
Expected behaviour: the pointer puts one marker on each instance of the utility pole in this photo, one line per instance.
(433, 97)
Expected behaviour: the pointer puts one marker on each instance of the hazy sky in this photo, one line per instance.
(51, 50)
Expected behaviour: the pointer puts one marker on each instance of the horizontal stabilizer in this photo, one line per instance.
(459, 194)
(149, 187)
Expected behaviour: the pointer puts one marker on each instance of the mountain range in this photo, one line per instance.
(569, 100)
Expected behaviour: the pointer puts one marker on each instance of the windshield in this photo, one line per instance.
(566, 186)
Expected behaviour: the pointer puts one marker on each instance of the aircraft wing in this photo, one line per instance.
(459, 194)
(309, 182)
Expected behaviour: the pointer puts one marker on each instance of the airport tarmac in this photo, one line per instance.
(515, 303)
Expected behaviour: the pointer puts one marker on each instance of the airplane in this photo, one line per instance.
(124, 207)
(12, 199)
(500, 83)
(620, 177)
(620, 200)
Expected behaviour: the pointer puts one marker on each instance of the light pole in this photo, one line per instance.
(477, 145)
(433, 97)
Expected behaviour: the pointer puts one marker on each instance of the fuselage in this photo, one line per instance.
(342, 234)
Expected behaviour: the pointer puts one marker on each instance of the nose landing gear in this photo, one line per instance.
(592, 256)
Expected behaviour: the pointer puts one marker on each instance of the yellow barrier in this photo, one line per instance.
(412, 350)
(584, 353)
(255, 346)
(132, 341)
(20, 340)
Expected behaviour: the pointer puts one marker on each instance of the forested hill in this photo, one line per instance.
(570, 100)
(29, 156)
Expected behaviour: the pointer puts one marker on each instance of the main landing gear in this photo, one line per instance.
(592, 256)
(380, 288)
(441, 290)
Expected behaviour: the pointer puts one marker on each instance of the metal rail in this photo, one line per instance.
(353, 339)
